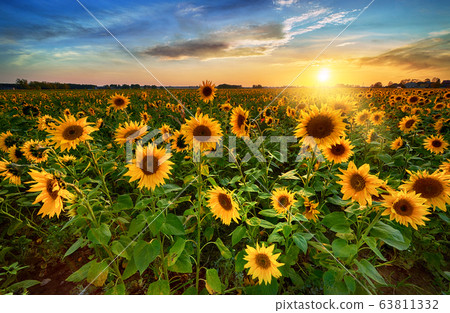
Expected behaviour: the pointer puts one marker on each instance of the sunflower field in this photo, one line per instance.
(225, 191)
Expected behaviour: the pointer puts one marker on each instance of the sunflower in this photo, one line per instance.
(70, 132)
(151, 167)
(413, 99)
(239, 122)
(67, 113)
(7, 140)
(310, 209)
(45, 122)
(324, 125)
(119, 102)
(11, 172)
(262, 263)
(35, 151)
(178, 142)
(52, 192)
(222, 205)
(130, 132)
(358, 184)
(397, 143)
(445, 167)
(226, 107)
(408, 123)
(434, 188)
(165, 132)
(362, 117)
(377, 118)
(68, 159)
(439, 106)
(282, 200)
(344, 104)
(207, 91)
(203, 131)
(338, 152)
(15, 154)
(407, 208)
(145, 117)
(435, 144)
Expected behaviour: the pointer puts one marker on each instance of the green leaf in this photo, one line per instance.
(144, 253)
(239, 261)
(390, 235)
(172, 226)
(160, 287)
(238, 234)
(190, 291)
(209, 232)
(372, 243)
(350, 283)
(25, 284)
(98, 273)
(81, 273)
(269, 213)
(367, 269)
(137, 224)
(155, 222)
(341, 228)
(79, 243)
(254, 221)
(342, 249)
(130, 270)
(123, 202)
(300, 242)
(118, 247)
(213, 280)
(175, 251)
(182, 265)
(143, 204)
(100, 235)
(296, 278)
(335, 218)
(263, 289)
(116, 290)
(224, 251)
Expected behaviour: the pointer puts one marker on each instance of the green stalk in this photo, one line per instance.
(199, 189)
(100, 173)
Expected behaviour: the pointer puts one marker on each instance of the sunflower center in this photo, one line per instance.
(409, 123)
(202, 133)
(72, 132)
(207, 91)
(283, 201)
(338, 149)
(428, 187)
(150, 164)
(403, 207)
(436, 143)
(10, 141)
(119, 101)
(180, 142)
(262, 260)
(18, 154)
(413, 99)
(240, 120)
(320, 126)
(51, 183)
(357, 182)
(131, 133)
(225, 202)
(37, 151)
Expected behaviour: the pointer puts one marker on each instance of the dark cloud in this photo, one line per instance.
(189, 48)
(423, 54)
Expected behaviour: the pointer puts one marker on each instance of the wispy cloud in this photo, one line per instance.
(346, 44)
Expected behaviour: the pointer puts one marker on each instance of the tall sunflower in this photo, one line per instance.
(397, 143)
(119, 102)
(151, 167)
(222, 205)
(407, 208)
(408, 123)
(262, 263)
(203, 131)
(35, 151)
(435, 144)
(11, 172)
(239, 122)
(52, 192)
(130, 132)
(324, 125)
(434, 188)
(7, 140)
(70, 132)
(282, 200)
(311, 211)
(339, 152)
(358, 184)
(207, 91)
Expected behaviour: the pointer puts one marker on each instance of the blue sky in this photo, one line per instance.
(242, 42)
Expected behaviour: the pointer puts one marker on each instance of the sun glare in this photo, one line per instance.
(323, 75)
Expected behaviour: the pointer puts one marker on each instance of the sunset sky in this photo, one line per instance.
(230, 41)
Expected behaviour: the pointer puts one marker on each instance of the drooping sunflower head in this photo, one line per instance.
(282, 200)
(70, 132)
(68, 159)
(362, 117)
(435, 144)
(262, 263)
(46, 122)
(339, 152)
(226, 107)
(178, 142)
(239, 122)
(372, 136)
(325, 126)
(202, 132)
(222, 205)
(207, 91)
(408, 123)
(397, 143)
(445, 167)
(35, 151)
(119, 102)
(15, 154)
(145, 117)
(7, 141)
(165, 131)
(407, 208)
(434, 188)
(358, 184)
(11, 172)
(130, 132)
(150, 167)
(311, 211)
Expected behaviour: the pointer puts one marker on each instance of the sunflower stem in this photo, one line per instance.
(199, 250)
(100, 173)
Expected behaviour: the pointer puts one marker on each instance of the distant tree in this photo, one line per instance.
(22, 83)
(377, 85)
(390, 83)
(257, 86)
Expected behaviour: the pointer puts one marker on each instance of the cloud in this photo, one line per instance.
(284, 3)
(346, 44)
(424, 54)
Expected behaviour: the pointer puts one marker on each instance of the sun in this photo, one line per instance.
(323, 75)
